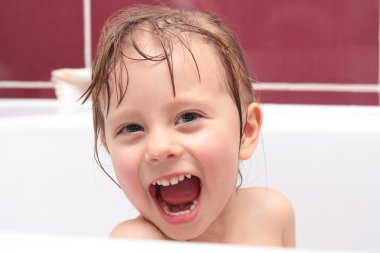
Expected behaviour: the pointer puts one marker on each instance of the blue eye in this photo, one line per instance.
(131, 128)
(187, 117)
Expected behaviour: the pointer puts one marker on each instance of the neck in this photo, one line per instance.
(221, 229)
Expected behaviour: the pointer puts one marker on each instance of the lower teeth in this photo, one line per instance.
(166, 209)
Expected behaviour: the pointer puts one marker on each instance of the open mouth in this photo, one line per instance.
(177, 196)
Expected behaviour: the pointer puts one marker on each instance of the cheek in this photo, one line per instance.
(125, 163)
(217, 151)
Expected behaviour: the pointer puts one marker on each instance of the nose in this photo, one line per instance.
(161, 146)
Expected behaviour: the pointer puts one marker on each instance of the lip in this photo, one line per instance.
(176, 220)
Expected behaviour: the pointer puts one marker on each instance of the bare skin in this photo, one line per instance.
(262, 217)
(153, 135)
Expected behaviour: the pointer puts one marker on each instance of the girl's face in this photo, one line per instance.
(176, 158)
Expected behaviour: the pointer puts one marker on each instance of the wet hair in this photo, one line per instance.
(167, 26)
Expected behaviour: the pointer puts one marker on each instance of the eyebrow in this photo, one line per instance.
(121, 114)
(188, 101)
(181, 102)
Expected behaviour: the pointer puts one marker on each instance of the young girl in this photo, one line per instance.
(174, 108)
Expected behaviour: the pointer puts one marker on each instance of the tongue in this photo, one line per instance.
(182, 193)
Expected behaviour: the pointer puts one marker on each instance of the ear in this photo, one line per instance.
(104, 143)
(251, 131)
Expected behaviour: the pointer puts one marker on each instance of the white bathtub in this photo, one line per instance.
(325, 159)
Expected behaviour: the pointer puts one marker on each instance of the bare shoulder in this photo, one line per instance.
(138, 228)
(275, 203)
(275, 213)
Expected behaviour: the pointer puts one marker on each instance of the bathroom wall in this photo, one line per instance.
(305, 52)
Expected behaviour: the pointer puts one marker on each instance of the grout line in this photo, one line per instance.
(87, 32)
(257, 86)
(364, 88)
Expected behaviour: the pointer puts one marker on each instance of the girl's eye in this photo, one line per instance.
(131, 128)
(187, 117)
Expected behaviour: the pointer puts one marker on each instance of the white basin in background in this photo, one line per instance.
(326, 159)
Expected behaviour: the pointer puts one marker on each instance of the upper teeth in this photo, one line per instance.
(171, 181)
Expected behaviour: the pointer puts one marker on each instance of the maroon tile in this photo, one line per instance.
(316, 41)
(39, 36)
(319, 41)
(27, 93)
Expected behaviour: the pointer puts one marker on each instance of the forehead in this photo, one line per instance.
(183, 60)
